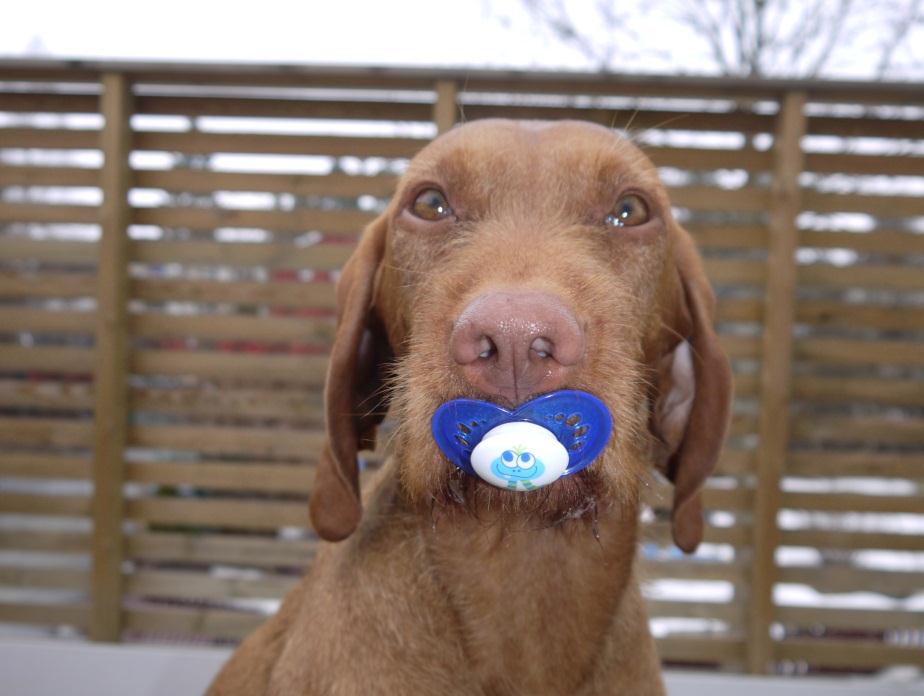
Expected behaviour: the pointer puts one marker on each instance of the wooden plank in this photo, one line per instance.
(717, 611)
(853, 502)
(888, 276)
(741, 347)
(324, 257)
(214, 623)
(37, 504)
(296, 404)
(231, 514)
(775, 373)
(707, 159)
(716, 650)
(878, 316)
(41, 359)
(844, 351)
(37, 320)
(866, 127)
(199, 585)
(712, 198)
(112, 358)
(305, 370)
(852, 654)
(298, 220)
(50, 102)
(199, 181)
(891, 430)
(876, 165)
(736, 271)
(851, 541)
(67, 542)
(47, 138)
(46, 250)
(22, 465)
(197, 142)
(229, 549)
(249, 477)
(876, 205)
(874, 464)
(21, 284)
(26, 175)
(739, 536)
(288, 294)
(54, 578)
(841, 579)
(45, 394)
(445, 105)
(267, 328)
(716, 236)
(45, 614)
(747, 310)
(216, 439)
(45, 432)
(650, 569)
(875, 242)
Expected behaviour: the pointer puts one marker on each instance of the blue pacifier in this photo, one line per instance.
(554, 435)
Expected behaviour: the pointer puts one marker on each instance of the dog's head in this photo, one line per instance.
(518, 258)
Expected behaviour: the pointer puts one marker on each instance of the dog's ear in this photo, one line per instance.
(354, 397)
(694, 393)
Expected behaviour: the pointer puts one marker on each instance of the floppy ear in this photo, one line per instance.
(354, 401)
(693, 405)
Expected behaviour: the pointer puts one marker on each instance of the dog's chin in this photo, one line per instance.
(577, 497)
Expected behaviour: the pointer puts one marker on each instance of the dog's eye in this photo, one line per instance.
(629, 212)
(431, 205)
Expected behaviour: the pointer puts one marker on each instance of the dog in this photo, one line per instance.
(514, 260)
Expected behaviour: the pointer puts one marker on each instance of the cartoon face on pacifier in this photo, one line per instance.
(519, 457)
(517, 467)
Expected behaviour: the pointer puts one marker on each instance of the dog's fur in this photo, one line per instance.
(441, 584)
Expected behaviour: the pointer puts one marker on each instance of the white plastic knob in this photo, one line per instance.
(519, 456)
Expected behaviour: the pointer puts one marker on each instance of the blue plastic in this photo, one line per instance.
(578, 420)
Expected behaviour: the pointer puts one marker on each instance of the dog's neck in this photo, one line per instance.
(534, 601)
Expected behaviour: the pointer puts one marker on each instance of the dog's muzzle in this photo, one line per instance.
(554, 435)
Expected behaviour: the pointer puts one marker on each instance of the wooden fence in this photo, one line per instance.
(169, 235)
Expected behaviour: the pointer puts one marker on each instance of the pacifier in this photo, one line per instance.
(539, 442)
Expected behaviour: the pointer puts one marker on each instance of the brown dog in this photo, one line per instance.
(515, 259)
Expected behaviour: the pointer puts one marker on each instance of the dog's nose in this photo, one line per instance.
(514, 344)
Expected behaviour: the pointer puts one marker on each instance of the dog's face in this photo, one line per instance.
(517, 259)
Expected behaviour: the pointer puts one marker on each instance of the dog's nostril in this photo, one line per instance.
(542, 347)
(486, 348)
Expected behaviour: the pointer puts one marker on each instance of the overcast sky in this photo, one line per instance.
(482, 33)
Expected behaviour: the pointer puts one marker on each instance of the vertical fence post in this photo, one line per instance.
(111, 396)
(775, 372)
(444, 108)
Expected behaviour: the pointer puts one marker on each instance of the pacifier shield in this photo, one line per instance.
(572, 422)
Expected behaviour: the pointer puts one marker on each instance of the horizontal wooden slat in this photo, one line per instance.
(851, 163)
(214, 623)
(50, 432)
(903, 430)
(21, 248)
(31, 319)
(839, 390)
(700, 649)
(846, 653)
(265, 143)
(233, 327)
(342, 222)
(237, 514)
(264, 478)
(255, 442)
(883, 206)
(840, 579)
(740, 237)
(43, 284)
(45, 614)
(854, 502)
(205, 181)
(719, 611)
(876, 242)
(835, 539)
(13, 175)
(198, 585)
(291, 369)
(230, 549)
(46, 359)
(276, 294)
(736, 272)
(38, 504)
(46, 394)
(841, 351)
(712, 198)
(709, 159)
(44, 466)
(831, 313)
(275, 256)
(45, 578)
(651, 569)
(862, 276)
(876, 464)
(48, 138)
(285, 404)
(30, 540)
